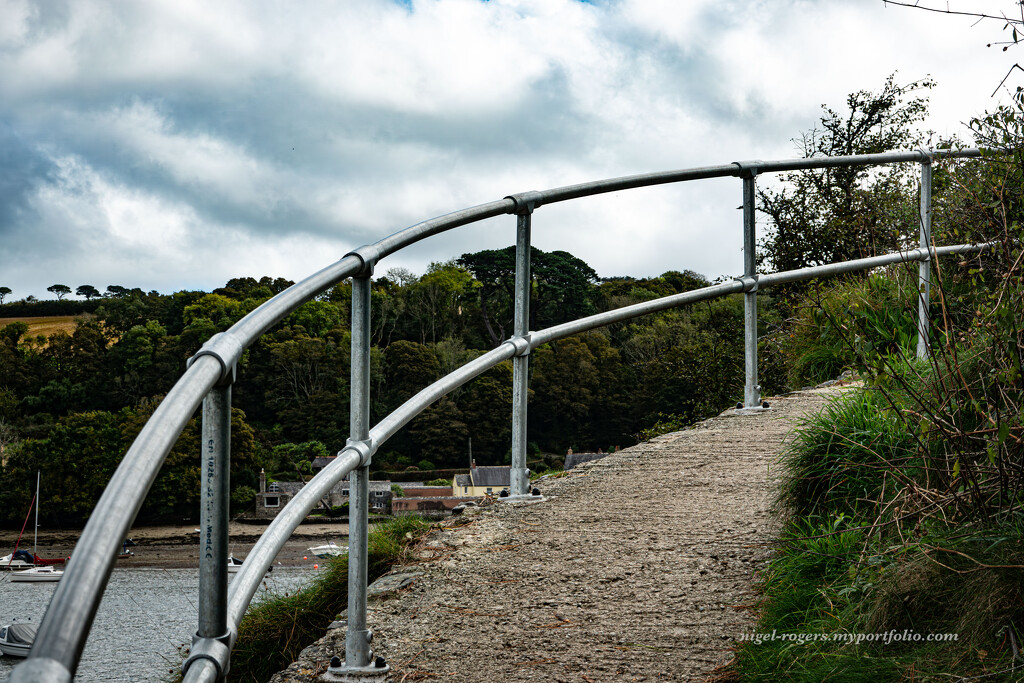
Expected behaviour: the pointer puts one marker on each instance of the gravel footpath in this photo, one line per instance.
(637, 567)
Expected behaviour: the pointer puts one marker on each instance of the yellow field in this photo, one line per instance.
(46, 325)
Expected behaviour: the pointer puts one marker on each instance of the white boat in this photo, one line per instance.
(11, 562)
(234, 564)
(37, 575)
(41, 570)
(330, 549)
(16, 639)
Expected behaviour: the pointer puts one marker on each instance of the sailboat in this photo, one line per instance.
(38, 574)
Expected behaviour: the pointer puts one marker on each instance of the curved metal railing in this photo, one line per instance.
(207, 380)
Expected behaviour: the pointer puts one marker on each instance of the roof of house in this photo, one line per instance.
(491, 476)
(322, 461)
(573, 459)
(463, 480)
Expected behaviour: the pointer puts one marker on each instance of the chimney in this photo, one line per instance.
(263, 481)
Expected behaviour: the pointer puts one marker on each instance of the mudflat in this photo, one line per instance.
(175, 547)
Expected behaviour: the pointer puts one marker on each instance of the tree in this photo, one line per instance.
(88, 291)
(60, 290)
(117, 291)
(4, 291)
(826, 215)
(564, 287)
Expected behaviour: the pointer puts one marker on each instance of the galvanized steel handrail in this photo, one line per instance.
(66, 624)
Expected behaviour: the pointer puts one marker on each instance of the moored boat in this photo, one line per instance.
(37, 575)
(16, 639)
(19, 559)
(329, 549)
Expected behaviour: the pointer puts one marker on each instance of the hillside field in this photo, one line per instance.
(45, 325)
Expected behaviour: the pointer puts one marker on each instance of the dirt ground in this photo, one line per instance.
(170, 547)
(637, 567)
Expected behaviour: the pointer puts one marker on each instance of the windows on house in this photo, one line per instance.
(272, 501)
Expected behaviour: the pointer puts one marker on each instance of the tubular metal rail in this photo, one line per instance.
(58, 646)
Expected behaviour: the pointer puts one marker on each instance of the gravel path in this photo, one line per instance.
(638, 567)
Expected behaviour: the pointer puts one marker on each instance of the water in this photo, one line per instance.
(145, 615)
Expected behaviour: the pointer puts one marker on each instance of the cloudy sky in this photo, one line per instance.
(173, 145)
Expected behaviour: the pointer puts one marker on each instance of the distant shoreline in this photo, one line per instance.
(177, 546)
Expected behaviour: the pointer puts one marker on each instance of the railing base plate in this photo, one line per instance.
(527, 498)
(753, 410)
(368, 674)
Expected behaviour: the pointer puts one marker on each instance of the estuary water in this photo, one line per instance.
(145, 617)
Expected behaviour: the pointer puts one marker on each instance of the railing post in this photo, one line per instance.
(214, 517)
(520, 475)
(751, 389)
(924, 267)
(359, 661)
(211, 645)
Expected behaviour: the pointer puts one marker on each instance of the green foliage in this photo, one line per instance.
(834, 214)
(836, 326)
(437, 482)
(60, 290)
(840, 458)
(242, 499)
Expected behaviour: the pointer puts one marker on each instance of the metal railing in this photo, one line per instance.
(62, 634)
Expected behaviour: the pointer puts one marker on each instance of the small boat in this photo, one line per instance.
(16, 639)
(330, 549)
(19, 559)
(234, 564)
(37, 575)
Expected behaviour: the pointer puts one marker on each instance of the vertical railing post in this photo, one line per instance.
(359, 664)
(357, 646)
(751, 389)
(214, 515)
(519, 484)
(924, 267)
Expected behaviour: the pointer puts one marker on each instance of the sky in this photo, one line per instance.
(175, 145)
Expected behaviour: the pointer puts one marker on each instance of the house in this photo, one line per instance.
(573, 459)
(482, 481)
(275, 495)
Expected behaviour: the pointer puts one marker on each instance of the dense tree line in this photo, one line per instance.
(71, 403)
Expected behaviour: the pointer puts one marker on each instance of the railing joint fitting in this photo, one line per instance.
(749, 169)
(524, 203)
(749, 282)
(927, 154)
(227, 350)
(521, 345)
(364, 447)
(368, 260)
(216, 650)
